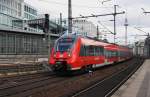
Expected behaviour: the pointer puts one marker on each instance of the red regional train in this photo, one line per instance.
(72, 52)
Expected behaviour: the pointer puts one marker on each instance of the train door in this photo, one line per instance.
(106, 55)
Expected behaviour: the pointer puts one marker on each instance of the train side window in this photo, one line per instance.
(82, 51)
(109, 54)
(114, 53)
(96, 51)
(101, 51)
(86, 50)
(118, 53)
(91, 50)
(106, 53)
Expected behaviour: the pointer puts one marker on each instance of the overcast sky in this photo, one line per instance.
(135, 15)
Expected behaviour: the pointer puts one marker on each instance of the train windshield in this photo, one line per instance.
(64, 44)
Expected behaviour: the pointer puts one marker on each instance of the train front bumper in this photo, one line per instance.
(61, 66)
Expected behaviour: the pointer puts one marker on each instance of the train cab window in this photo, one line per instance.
(64, 44)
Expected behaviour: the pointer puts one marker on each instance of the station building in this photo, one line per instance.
(147, 47)
(142, 48)
(85, 27)
(17, 37)
(139, 48)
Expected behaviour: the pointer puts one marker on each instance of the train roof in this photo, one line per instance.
(88, 41)
(93, 41)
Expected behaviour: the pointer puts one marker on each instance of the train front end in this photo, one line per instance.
(62, 55)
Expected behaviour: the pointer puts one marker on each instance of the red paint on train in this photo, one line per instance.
(77, 52)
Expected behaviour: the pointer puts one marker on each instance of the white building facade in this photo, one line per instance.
(10, 10)
(84, 27)
(13, 14)
(139, 48)
(29, 12)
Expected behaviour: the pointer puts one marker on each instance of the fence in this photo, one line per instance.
(16, 46)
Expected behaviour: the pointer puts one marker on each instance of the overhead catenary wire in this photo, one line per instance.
(105, 27)
(74, 5)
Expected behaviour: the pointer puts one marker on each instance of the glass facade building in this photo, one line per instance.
(29, 12)
(13, 14)
(16, 36)
(12, 24)
(10, 10)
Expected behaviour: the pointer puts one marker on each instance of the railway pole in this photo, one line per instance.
(69, 16)
(97, 32)
(115, 21)
(61, 30)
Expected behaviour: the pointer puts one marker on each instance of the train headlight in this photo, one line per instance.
(69, 54)
(54, 54)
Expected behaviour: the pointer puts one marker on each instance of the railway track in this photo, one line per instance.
(19, 85)
(76, 84)
(7, 81)
(50, 85)
(25, 76)
(18, 68)
(106, 87)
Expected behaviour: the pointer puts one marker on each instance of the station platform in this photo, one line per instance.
(138, 85)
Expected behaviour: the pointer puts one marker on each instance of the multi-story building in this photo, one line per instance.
(14, 13)
(17, 36)
(29, 12)
(10, 10)
(85, 27)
